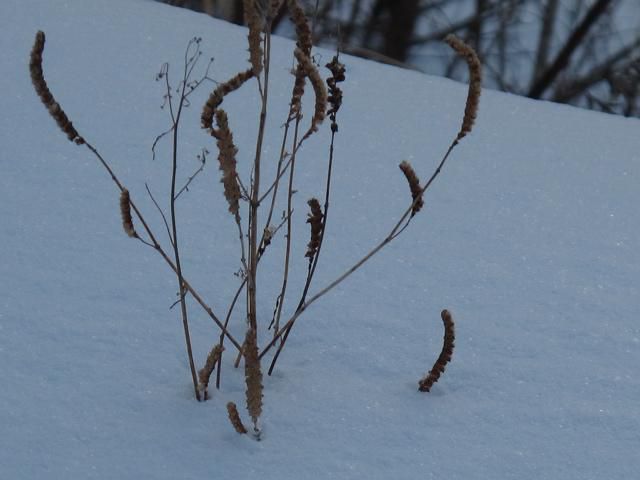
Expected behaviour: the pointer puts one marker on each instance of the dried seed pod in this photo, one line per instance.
(227, 158)
(204, 374)
(303, 32)
(125, 212)
(253, 376)
(315, 219)
(414, 185)
(234, 418)
(475, 82)
(445, 355)
(255, 22)
(218, 94)
(40, 85)
(335, 93)
(319, 90)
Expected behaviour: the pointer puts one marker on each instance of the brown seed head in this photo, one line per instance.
(445, 355)
(253, 376)
(234, 418)
(319, 90)
(335, 93)
(315, 220)
(204, 374)
(227, 159)
(218, 94)
(255, 21)
(475, 82)
(414, 185)
(46, 97)
(125, 212)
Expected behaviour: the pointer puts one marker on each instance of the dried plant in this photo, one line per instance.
(320, 91)
(218, 94)
(414, 185)
(204, 374)
(40, 85)
(475, 82)
(315, 220)
(445, 355)
(260, 232)
(227, 159)
(125, 212)
(255, 21)
(253, 376)
(234, 418)
(337, 70)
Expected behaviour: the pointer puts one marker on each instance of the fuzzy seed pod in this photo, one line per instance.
(445, 355)
(234, 418)
(319, 90)
(204, 374)
(304, 42)
(475, 82)
(218, 94)
(253, 376)
(315, 219)
(303, 32)
(40, 85)
(414, 185)
(125, 212)
(255, 22)
(227, 158)
(335, 93)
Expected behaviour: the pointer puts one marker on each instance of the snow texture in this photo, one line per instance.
(530, 237)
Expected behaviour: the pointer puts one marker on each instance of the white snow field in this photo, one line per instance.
(530, 237)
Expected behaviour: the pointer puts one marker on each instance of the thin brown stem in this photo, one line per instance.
(156, 245)
(385, 241)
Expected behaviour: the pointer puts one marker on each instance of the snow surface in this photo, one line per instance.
(530, 237)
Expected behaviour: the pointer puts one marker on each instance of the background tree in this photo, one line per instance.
(580, 52)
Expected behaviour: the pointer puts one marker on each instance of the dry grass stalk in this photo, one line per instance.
(253, 376)
(315, 219)
(319, 90)
(204, 374)
(227, 159)
(255, 22)
(475, 82)
(445, 355)
(125, 211)
(234, 418)
(414, 185)
(335, 93)
(218, 94)
(40, 85)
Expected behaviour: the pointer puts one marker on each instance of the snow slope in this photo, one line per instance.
(530, 237)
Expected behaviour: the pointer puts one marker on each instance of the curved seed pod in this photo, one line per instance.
(414, 185)
(204, 374)
(40, 85)
(445, 356)
(218, 94)
(234, 418)
(125, 212)
(475, 82)
(319, 90)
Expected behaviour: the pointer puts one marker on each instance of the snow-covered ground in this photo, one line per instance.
(530, 237)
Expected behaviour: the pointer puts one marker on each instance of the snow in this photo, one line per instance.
(529, 236)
